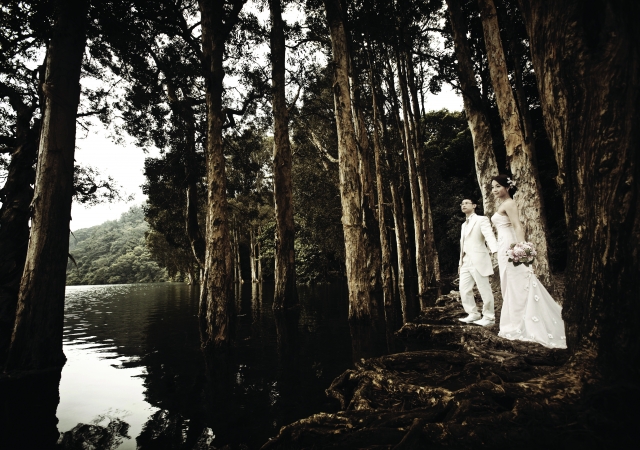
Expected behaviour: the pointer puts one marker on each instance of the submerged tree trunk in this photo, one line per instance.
(362, 305)
(217, 310)
(588, 67)
(520, 152)
(37, 337)
(485, 159)
(286, 293)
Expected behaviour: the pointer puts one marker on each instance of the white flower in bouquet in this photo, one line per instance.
(521, 253)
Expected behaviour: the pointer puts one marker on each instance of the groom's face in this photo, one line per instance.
(467, 206)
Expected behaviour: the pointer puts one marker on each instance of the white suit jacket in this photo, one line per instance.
(475, 239)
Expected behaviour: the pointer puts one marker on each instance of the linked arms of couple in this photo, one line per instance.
(490, 239)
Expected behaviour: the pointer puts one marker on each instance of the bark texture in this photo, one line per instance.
(37, 337)
(587, 61)
(286, 293)
(217, 310)
(362, 307)
(414, 186)
(485, 158)
(385, 246)
(520, 151)
(371, 227)
(16, 196)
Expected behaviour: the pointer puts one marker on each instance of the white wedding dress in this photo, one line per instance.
(529, 313)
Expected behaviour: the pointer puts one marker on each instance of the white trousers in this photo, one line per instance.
(468, 277)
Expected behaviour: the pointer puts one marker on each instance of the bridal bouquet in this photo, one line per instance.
(521, 253)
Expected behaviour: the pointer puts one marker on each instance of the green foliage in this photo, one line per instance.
(113, 253)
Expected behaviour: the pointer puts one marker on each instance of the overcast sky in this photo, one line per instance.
(124, 163)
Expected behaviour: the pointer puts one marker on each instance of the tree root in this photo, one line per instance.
(467, 388)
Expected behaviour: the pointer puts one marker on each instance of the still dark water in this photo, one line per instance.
(135, 365)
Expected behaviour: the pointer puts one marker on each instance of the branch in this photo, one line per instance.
(304, 41)
(95, 112)
(323, 151)
(237, 112)
(295, 99)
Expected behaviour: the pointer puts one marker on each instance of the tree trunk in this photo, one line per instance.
(588, 65)
(369, 219)
(37, 337)
(485, 158)
(184, 123)
(362, 306)
(431, 254)
(235, 247)
(404, 256)
(286, 293)
(252, 259)
(520, 152)
(386, 276)
(217, 310)
(414, 186)
(17, 194)
(258, 257)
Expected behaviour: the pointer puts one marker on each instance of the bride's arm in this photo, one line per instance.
(512, 211)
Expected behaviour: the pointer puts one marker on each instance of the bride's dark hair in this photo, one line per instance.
(506, 181)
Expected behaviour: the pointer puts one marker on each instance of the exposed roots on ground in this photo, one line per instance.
(461, 386)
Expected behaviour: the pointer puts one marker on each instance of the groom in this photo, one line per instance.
(475, 265)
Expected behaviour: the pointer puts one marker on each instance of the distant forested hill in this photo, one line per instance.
(113, 253)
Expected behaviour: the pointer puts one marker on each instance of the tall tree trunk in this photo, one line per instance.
(185, 123)
(520, 152)
(256, 275)
(485, 158)
(37, 337)
(362, 305)
(386, 275)
(588, 64)
(286, 293)
(369, 219)
(237, 255)
(217, 309)
(17, 195)
(414, 185)
(431, 254)
(516, 53)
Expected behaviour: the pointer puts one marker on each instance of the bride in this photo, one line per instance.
(529, 313)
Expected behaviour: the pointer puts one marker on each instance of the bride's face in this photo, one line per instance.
(498, 190)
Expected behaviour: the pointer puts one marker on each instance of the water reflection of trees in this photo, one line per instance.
(28, 411)
(276, 374)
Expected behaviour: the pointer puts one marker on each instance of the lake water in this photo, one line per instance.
(135, 372)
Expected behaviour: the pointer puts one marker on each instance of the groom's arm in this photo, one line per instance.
(487, 232)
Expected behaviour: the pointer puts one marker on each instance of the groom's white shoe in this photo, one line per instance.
(470, 318)
(484, 322)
